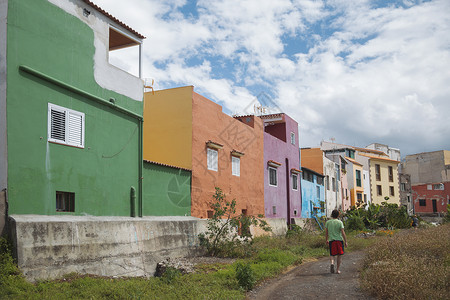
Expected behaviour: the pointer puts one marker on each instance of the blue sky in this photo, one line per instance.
(358, 71)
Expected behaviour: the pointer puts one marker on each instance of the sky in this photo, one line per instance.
(351, 71)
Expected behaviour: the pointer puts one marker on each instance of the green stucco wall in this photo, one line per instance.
(47, 39)
(167, 191)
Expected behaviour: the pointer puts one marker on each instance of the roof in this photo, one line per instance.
(370, 151)
(105, 13)
(353, 161)
(309, 170)
(381, 158)
(165, 165)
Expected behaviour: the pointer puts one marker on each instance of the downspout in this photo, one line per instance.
(102, 101)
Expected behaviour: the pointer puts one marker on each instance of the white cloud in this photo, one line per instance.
(367, 74)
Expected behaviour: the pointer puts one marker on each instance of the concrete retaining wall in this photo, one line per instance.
(48, 247)
(51, 246)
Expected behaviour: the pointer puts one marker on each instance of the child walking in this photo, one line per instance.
(336, 239)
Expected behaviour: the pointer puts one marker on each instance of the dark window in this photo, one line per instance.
(422, 202)
(210, 214)
(403, 186)
(391, 191)
(379, 190)
(358, 178)
(273, 176)
(319, 180)
(391, 174)
(333, 184)
(294, 182)
(378, 172)
(65, 201)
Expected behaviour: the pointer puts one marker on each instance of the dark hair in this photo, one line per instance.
(335, 214)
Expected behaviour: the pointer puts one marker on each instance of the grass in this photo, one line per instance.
(413, 265)
(267, 257)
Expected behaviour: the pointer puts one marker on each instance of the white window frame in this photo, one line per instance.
(235, 166)
(295, 180)
(74, 122)
(292, 138)
(276, 176)
(212, 159)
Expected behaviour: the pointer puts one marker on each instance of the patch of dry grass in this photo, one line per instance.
(411, 265)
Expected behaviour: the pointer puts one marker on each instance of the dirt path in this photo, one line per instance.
(313, 280)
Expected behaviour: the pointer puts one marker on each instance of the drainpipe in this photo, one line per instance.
(102, 101)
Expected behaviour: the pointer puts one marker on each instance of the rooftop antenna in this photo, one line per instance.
(148, 86)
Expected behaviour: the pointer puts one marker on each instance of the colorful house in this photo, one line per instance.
(186, 130)
(70, 123)
(431, 198)
(314, 159)
(282, 193)
(313, 194)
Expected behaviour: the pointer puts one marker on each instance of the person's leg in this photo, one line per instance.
(339, 260)
(332, 259)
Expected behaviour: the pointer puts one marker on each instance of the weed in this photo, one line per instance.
(245, 276)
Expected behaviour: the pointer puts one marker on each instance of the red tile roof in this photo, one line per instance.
(105, 13)
(166, 165)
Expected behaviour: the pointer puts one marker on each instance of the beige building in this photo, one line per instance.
(428, 167)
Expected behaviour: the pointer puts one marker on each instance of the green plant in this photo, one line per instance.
(245, 276)
(170, 274)
(226, 230)
(447, 215)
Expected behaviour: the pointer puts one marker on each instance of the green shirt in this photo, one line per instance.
(334, 227)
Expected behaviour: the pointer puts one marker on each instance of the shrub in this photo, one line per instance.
(226, 230)
(245, 276)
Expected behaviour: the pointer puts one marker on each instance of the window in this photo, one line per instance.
(274, 210)
(422, 202)
(429, 187)
(391, 174)
(350, 153)
(365, 198)
(210, 214)
(403, 186)
(391, 191)
(327, 182)
(320, 180)
(379, 190)
(292, 138)
(65, 202)
(65, 126)
(358, 177)
(438, 186)
(294, 181)
(333, 183)
(236, 166)
(212, 159)
(273, 176)
(318, 192)
(359, 198)
(377, 172)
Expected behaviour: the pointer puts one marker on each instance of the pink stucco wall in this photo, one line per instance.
(278, 150)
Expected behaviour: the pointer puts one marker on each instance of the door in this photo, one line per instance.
(434, 205)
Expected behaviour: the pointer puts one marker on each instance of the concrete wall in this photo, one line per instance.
(427, 167)
(50, 246)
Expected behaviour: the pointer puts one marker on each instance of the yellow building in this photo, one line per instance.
(384, 182)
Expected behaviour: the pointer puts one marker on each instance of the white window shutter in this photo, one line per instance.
(236, 166)
(75, 129)
(65, 126)
(212, 159)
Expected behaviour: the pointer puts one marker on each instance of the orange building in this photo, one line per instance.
(187, 130)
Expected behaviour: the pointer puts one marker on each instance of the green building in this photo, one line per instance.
(70, 121)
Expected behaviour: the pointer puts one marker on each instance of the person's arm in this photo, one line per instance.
(344, 236)
(326, 234)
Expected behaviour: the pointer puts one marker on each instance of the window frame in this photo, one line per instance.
(210, 163)
(70, 126)
(422, 202)
(379, 190)
(269, 168)
(391, 173)
(391, 191)
(235, 166)
(294, 182)
(358, 178)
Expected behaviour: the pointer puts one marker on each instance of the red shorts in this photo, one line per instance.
(336, 248)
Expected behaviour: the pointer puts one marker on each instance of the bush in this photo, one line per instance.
(245, 276)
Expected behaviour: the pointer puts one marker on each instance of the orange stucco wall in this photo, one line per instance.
(168, 127)
(312, 158)
(210, 123)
